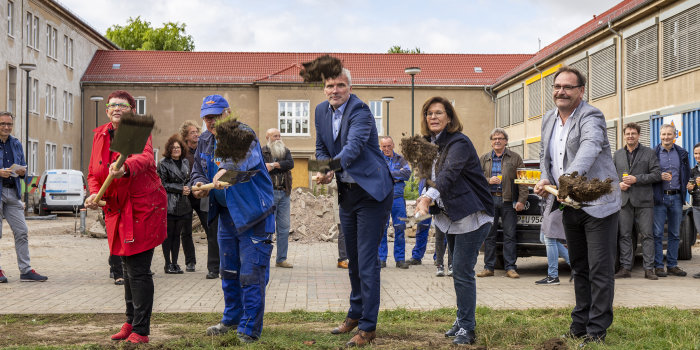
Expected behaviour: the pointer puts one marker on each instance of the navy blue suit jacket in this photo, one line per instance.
(357, 147)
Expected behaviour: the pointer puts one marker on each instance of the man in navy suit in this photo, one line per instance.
(346, 131)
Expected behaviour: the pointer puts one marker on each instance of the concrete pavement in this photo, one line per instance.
(78, 281)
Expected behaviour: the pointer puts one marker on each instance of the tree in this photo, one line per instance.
(138, 34)
(399, 49)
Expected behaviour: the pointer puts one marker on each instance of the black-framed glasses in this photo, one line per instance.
(8, 125)
(567, 88)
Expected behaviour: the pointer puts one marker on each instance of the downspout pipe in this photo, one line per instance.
(489, 91)
(621, 89)
(82, 126)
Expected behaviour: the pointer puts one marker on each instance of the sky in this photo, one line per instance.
(438, 26)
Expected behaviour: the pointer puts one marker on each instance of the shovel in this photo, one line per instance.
(568, 201)
(229, 178)
(324, 165)
(412, 220)
(129, 138)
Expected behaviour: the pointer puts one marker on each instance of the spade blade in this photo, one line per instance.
(238, 176)
(324, 165)
(132, 134)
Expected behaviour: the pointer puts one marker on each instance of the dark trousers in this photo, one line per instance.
(138, 291)
(440, 247)
(342, 252)
(506, 212)
(363, 219)
(592, 244)
(115, 266)
(171, 244)
(211, 231)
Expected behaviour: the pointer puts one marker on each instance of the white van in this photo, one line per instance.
(59, 190)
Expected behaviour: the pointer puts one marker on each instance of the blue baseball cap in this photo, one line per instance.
(213, 104)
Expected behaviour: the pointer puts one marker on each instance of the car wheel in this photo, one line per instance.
(685, 249)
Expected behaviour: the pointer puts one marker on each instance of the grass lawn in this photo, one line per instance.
(638, 328)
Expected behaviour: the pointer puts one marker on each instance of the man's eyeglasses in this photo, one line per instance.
(498, 139)
(121, 106)
(567, 88)
(6, 125)
(212, 117)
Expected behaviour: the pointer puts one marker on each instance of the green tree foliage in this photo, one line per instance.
(138, 34)
(399, 49)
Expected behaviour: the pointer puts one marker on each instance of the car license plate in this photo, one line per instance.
(529, 219)
(59, 197)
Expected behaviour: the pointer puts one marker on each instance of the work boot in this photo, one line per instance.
(361, 339)
(512, 274)
(343, 264)
(660, 272)
(346, 327)
(485, 273)
(413, 261)
(676, 271)
(284, 264)
(623, 273)
(402, 264)
(220, 328)
(245, 338)
(650, 275)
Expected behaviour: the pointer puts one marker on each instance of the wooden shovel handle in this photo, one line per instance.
(108, 181)
(209, 186)
(551, 189)
(568, 201)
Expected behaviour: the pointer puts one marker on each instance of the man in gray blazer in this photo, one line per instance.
(574, 138)
(638, 168)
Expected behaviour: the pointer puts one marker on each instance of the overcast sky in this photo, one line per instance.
(438, 26)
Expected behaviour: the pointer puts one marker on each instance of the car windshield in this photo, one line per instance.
(64, 182)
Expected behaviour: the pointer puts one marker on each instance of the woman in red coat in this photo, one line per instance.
(135, 215)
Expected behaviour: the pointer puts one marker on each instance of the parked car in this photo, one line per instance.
(59, 190)
(528, 230)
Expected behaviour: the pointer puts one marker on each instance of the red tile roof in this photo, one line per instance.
(277, 67)
(597, 23)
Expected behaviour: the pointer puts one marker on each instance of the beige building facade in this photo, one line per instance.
(58, 45)
(642, 62)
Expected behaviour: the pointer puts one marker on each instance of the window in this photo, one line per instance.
(11, 88)
(11, 18)
(67, 107)
(534, 93)
(293, 117)
(51, 41)
(140, 105)
(68, 50)
(548, 81)
(533, 150)
(33, 149)
(50, 110)
(642, 57)
(503, 105)
(34, 101)
(612, 138)
(517, 106)
(32, 31)
(376, 108)
(682, 42)
(67, 157)
(518, 149)
(582, 66)
(50, 161)
(603, 73)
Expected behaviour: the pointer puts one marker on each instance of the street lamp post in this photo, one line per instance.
(412, 71)
(27, 67)
(97, 100)
(387, 99)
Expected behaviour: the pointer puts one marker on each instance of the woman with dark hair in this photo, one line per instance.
(174, 172)
(134, 215)
(461, 205)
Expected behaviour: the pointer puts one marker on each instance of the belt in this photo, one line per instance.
(349, 185)
(671, 192)
(497, 194)
(8, 184)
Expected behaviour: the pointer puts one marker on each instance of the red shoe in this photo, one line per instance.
(135, 338)
(124, 333)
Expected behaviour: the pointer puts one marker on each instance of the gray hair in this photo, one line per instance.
(668, 126)
(346, 72)
(498, 131)
(6, 113)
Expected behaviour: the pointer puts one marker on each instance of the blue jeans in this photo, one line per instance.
(555, 249)
(465, 249)
(421, 239)
(398, 210)
(506, 212)
(245, 271)
(282, 224)
(671, 209)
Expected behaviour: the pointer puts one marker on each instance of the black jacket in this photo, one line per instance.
(459, 177)
(173, 179)
(695, 193)
(282, 177)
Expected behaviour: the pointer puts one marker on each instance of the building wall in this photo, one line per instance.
(258, 106)
(59, 124)
(658, 96)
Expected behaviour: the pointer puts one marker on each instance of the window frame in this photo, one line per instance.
(378, 120)
(50, 150)
(10, 19)
(70, 156)
(137, 107)
(33, 156)
(300, 118)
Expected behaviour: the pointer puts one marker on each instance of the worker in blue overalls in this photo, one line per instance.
(400, 172)
(246, 225)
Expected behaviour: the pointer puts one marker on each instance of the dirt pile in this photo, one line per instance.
(581, 189)
(312, 217)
